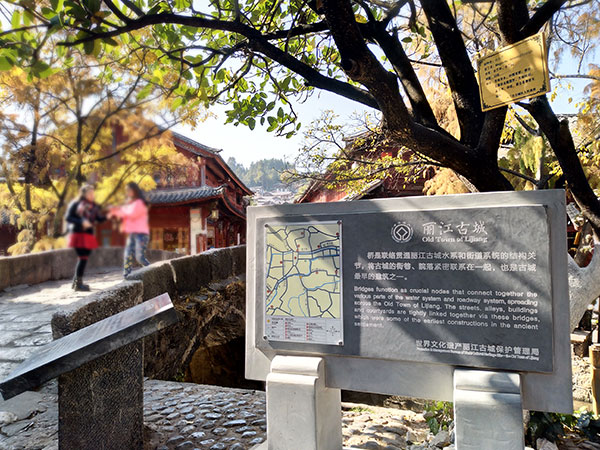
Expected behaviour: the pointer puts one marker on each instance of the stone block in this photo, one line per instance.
(581, 341)
(4, 273)
(63, 263)
(101, 403)
(33, 268)
(154, 255)
(106, 257)
(192, 272)
(96, 307)
(221, 263)
(298, 384)
(238, 255)
(157, 278)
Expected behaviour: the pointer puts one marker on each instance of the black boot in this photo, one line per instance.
(79, 286)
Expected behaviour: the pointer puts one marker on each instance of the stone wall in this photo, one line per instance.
(208, 292)
(35, 268)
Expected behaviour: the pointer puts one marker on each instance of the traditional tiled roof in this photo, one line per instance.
(179, 196)
(182, 195)
(194, 145)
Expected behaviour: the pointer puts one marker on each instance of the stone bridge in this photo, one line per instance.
(35, 286)
(208, 291)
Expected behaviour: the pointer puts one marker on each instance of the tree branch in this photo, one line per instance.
(393, 50)
(299, 30)
(489, 141)
(520, 175)
(560, 139)
(576, 75)
(361, 65)
(256, 42)
(541, 16)
(457, 64)
(458, 157)
(512, 16)
(530, 130)
(116, 11)
(133, 7)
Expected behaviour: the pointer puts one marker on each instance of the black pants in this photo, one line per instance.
(82, 258)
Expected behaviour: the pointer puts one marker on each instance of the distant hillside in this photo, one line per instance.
(265, 173)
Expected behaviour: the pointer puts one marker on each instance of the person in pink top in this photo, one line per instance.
(134, 222)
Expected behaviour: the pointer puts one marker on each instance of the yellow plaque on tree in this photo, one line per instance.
(513, 73)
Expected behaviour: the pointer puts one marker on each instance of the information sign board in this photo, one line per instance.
(513, 73)
(434, 283)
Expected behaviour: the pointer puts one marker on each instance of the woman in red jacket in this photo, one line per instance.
(81, 216)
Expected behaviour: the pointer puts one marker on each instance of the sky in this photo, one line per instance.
(247, 145)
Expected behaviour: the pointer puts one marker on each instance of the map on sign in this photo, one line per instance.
(303, 282)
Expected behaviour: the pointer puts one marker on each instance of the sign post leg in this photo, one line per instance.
(487, 410)
(595, 360)
(301, 411)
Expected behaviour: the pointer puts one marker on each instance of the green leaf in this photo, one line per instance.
(5, 63)
(251, 123)
(48, 13)
(110, 41)
(92, 5)
(144, 92)
(97, 47)
(57, 5)
(27, 17)
(42, 70)
(407, 39)
(56, 22)
(76, 11)
(182, 4)
(88, 47)
(155, 9)
(176, 103)
(16, 19)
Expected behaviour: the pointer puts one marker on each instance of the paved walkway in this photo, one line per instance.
(184, 416)
(26, 311)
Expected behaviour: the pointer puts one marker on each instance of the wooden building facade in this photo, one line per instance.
(394, 184)
(203, 212)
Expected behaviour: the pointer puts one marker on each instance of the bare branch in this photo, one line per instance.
(541, 16)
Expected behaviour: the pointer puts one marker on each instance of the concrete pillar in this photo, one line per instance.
(487, 410)
(302, 412)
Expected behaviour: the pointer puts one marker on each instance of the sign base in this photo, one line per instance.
(309, 417)
(482, 398)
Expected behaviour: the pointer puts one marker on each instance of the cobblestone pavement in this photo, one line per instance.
(25, 313)
(185, 416)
